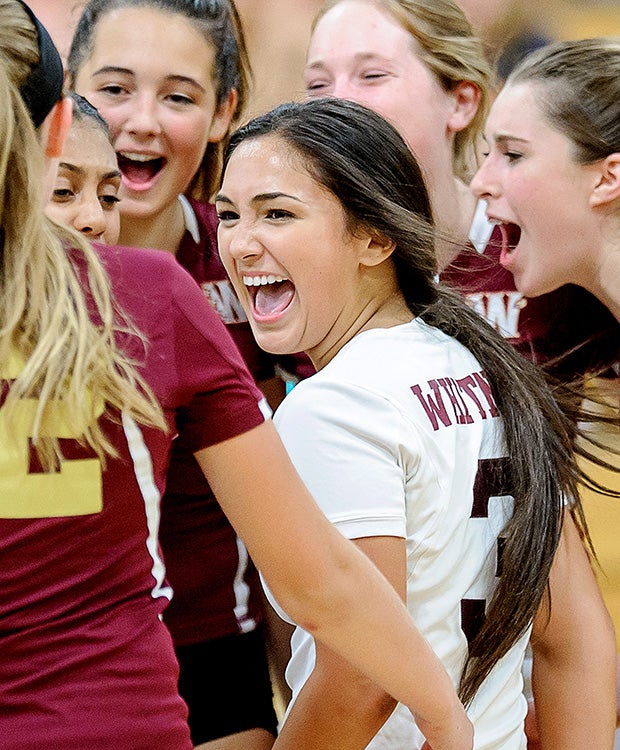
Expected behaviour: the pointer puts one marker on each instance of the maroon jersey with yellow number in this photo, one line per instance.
(86, 660)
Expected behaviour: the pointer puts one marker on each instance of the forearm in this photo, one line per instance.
(399, 659)
(574, 655)
(327, 585)
(576, 700)
(334, 716)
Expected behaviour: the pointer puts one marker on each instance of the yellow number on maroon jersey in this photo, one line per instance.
(75, 489)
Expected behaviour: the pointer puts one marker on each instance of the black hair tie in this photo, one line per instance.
(43, 87)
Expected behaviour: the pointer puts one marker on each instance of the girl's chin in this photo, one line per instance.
(271, 343)
(143, 207)
(532, 285)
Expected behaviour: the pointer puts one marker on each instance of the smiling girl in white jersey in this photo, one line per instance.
(424, 435)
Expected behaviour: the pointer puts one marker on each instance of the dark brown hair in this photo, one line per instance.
(362, 160)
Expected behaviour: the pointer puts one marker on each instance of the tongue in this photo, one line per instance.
(139, 171)
(273, 298)
(511, 234)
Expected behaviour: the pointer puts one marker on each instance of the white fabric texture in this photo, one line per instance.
(388, 438)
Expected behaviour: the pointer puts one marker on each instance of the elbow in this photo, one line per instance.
(587, 638)
(318, 594)
(376, 703)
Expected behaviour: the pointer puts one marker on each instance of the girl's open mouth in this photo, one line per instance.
(270, 295)
(511, 234)
(139, 170)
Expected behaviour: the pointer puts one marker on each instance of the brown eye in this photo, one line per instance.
(109, 201)
(61, 195)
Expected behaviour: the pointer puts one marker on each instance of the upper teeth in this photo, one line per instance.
(261, 280)
(137, 157)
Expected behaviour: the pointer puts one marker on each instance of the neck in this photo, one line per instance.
(454, 206)
(384, 310)
(604, 282)
(161, 232)
(609, 295)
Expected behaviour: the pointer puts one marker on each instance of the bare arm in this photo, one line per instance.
(339, 708)
(328, 586)
(574, 649)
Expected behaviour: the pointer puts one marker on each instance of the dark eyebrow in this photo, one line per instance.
(71, 167)
(107, 69)
(78, 170)
(260, 198)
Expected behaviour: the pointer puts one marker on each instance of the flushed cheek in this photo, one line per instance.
(381, 101)
(543, 235)
(113, 228)
(188, 138)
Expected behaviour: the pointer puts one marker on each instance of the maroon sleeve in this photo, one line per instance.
(218, 395)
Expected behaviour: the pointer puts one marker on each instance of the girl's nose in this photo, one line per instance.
(143, 118)
(483, 185)
(90, 219)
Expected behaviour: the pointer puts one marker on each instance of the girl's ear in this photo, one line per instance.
(607, 189)
(466, 97)
(375, 250)
(222, 117)
(56, 128)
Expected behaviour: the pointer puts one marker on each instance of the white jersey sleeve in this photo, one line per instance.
(346, 444)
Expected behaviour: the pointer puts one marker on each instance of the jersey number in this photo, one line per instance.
(75, 489)
(492, 482)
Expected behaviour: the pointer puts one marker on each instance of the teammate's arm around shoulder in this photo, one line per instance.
(326, 584)
(574, 655)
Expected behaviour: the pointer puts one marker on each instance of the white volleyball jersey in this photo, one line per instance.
(399, 435)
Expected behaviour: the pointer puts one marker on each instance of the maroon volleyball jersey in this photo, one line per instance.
(568, 325)
(86, 660)
(216, 587)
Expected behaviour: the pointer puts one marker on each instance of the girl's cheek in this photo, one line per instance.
(189, 130)
(189, 138)
(113, 120)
